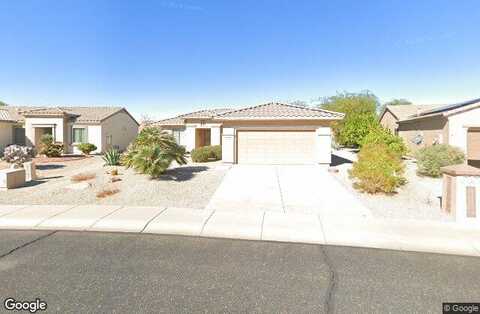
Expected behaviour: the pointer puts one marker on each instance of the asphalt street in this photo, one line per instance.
(77, 272)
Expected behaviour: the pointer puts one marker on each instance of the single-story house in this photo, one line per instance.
(105, 127)
(272, 133)
(390, 115)
(457, 125)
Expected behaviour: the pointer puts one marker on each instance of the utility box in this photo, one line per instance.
(461, 192)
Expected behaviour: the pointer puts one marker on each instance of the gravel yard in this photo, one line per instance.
(191, 185)
(418, 199)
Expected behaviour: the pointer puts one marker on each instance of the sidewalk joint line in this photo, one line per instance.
(261, 230)
(280, 190)
(14, 211)
(63, 211)
(151, 219)
(28, 243)
(96, 221)
(321, 228)
(206, 221)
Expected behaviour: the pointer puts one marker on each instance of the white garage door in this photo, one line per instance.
(276, 147)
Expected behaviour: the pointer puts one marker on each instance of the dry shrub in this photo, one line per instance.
(107, 192)
(83, 177)
(378, 169)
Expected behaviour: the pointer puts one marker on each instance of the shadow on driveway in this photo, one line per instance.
(49, 167)
(182, 173)
(337, 160)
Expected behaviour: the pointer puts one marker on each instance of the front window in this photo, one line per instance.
(79, 135)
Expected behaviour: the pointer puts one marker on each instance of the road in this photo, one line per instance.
(127, 273)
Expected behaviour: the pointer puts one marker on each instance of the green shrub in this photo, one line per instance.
(152, 152)
(207, 153)
(112, 157)
(353, 128)
(430, 159)
(49, 148)
(381, 135)
(378, 169)
(86, 148)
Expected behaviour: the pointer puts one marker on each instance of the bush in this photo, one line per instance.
(207, 153)
(378, 169)
(152, 152)
(381, 135)
(86, 148)
(430, 159)
(112, 157)
(49, 148)
(16, 154)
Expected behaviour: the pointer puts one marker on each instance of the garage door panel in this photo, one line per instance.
(276, 147)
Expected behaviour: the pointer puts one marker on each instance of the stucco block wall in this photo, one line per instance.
(121, 127)
(434, 129)
(6, 135)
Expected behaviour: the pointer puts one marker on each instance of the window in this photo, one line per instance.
(176, 135)
(79, 135)
(109, 139)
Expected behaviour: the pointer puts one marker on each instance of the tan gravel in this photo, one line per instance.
(418, 199)
(191, 185)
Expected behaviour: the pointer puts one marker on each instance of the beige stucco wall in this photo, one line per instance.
(389, 121)
(433, 129)
(6, 135)
(59, 124)
(458, 127)
(122, 128)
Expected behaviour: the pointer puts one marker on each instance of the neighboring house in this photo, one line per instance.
(272, 133)
(6, 129)
(390, 115)
(457, 125)
(105, 127)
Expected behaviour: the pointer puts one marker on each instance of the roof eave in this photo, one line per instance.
(421, 117)
(274, 118)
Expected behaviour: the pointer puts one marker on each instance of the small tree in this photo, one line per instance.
(86, 148)
(17, 155)
(360, 116)
(378, 169)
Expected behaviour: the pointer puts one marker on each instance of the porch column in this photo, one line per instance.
(228, 145)
(323, 145)
(215, 135)
(190, 138)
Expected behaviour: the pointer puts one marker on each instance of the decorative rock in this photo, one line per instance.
(30, 171)
(12, 178)
(332, 170)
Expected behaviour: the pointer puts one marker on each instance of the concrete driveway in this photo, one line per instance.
(301, 189)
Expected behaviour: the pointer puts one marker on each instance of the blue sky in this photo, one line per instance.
(166, 57)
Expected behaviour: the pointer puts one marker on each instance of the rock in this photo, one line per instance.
(332, 170)
(115, 179)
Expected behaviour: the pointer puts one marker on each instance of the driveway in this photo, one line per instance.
(301, 189)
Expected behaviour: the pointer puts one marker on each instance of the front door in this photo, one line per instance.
(202, 137)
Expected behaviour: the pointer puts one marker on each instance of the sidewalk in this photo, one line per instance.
(405, 235)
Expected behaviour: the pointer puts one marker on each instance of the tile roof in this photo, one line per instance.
(404, 111)
(279, 111)
(180, 120)
(445, 110)
(84, 114)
